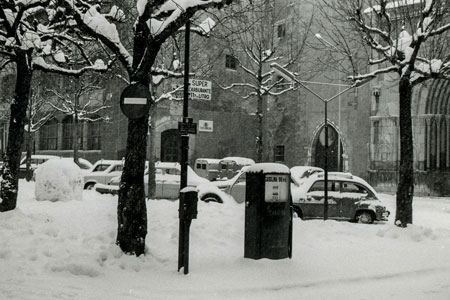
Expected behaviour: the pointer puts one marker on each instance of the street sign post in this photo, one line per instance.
(135, 101)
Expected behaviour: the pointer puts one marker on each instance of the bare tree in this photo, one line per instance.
(156, 22)
(39, 112)
(36, 35)
(81, 104)
(256, 34)
(407, 38)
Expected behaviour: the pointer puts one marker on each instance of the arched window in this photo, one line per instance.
(48, 135)
(437, 126)
(94, 135)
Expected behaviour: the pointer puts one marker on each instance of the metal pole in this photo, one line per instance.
(185, 137)
(184, 154)
(325, 204)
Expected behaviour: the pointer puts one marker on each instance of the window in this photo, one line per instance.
(351, 187)
(100, 168)
(48, 135)
(318, 186)
(94, 136)
(67, 133)
(376, 132)
(279, 153)
(117, 168)
(230, 62)
(281, 30)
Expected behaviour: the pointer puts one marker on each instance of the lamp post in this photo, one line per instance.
(327, 43)
(291, 77)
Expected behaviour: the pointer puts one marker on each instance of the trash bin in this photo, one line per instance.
(268, 214)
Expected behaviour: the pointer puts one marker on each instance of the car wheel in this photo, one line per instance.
(211, 198)
(298, 212)
(89, 186)
(365, 217)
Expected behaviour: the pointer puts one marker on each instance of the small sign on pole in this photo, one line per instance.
(187, 127)
(135, 101)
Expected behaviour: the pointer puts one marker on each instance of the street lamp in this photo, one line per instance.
(328, 44)
(291, 77)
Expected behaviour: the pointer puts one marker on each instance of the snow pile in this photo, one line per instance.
(66, 250)
(58, 180)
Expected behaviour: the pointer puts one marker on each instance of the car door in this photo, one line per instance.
(352, 193)
(113, 171)
(313, 207)
(237, 189)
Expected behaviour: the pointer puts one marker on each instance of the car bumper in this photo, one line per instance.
(107, 189)
(385, 215)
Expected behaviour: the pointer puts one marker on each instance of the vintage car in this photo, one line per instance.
(207, 168)
(167, 177)
(36, 160)
(102, 172)
(230, 166)
(349, 198)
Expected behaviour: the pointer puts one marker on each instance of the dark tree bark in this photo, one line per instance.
(29, 174)
(10, 182)
(131, 208)
(405, 189)
(151, 163)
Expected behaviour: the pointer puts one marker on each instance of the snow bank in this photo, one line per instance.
(58, 180)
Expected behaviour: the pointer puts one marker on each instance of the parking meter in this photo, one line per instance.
(189, 199)
(187, 212)
(268, 215)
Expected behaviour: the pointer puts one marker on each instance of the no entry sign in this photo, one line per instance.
(135, 101)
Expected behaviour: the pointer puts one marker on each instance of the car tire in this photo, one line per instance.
(365, 217)
(299, 212)
(211, 198)
(89, 186)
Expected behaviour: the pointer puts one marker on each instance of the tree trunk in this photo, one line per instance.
(259, 135)
(76, 132)
(405, 189)
(10, 182)
(151, 163)
(131, 207)
(29, 171)
(132, 210)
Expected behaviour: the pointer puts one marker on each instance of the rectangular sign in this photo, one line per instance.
(277, 188)
(141, 101)
(187, 128)
(200, 89)
(206, 126)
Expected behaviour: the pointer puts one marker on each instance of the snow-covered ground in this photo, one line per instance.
(66, 250)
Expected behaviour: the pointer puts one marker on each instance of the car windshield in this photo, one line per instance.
(100, 167)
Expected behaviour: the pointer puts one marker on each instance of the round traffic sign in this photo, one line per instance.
(135, 101)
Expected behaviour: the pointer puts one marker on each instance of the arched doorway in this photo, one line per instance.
(335, 150)
(170, 145)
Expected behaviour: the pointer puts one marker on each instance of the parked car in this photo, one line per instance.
(36, 159)
(234, 187)
(84, 164)
(349, 198)
(167, 176)
(207, 168)
(230, 166)
(300, 173)
(102, 172)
